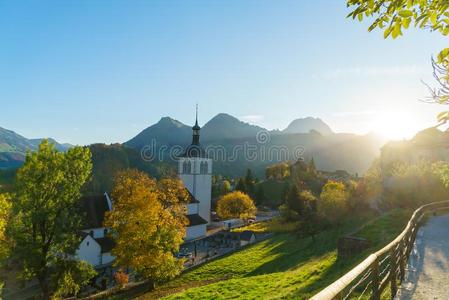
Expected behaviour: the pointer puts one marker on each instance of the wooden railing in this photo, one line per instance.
(384, 268)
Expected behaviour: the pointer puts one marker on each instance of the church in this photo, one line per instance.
(195, 171)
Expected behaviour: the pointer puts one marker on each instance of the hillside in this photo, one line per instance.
(281, 267)
(13, 148)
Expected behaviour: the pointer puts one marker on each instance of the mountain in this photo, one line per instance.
(167, 131)
(13, 148)
(224, 126)
(238, 146)
(305, 125)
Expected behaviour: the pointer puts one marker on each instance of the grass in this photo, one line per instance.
(281, 267)
(274, 225)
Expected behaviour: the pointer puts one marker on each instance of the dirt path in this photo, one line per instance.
(427, 275)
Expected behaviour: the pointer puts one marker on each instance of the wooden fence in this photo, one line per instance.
(382, 269)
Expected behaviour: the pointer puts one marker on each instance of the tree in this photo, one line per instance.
(278, 171)
(71, 276)
(333, 201)
(148, 224)
(225, 187)
(5, 212)
(260, 195)
(241, 186)
(249, 182)
(294, 200)
(236, 205)
(46, 218)
(394, 16)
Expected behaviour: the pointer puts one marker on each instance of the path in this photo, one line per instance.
(427, 275)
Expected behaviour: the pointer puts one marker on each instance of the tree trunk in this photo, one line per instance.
(43, 283)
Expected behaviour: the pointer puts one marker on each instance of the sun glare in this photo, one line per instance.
(394, 125)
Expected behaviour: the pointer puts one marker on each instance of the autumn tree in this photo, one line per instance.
(148, 224)
(236, 205)
(333, 201)
(45, 214)
(278, 171)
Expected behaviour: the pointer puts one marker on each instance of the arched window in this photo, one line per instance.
(186, 167)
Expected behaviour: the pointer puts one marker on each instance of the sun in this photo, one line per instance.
(395, 125)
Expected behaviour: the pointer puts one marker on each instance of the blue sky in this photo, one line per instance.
(101, 71)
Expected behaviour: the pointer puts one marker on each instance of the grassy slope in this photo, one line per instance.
(283, 266)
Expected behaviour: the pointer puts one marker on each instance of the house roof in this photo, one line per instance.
(106, 244)
(246, 235)
(192, 198)
(94, 208)
(195, 219)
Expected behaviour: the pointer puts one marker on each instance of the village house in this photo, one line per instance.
(95, 246)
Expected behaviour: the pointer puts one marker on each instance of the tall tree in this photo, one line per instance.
(236, 205)
(249, 182)
(46, 221)
(148, 223)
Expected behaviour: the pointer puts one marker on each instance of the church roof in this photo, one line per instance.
(192, 198)
(94, 209)
(106, 244)
(195, 219)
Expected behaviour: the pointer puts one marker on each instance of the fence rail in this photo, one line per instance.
(386, 267)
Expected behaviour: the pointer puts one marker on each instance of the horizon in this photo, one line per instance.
(89, 73)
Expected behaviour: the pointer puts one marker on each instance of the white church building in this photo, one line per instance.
(195, 171)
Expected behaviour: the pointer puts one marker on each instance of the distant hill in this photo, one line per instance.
(13, 148)
(167, 131)
(305, 125)
(224, 126)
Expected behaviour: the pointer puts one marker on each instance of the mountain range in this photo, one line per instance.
(13, 147)
(304, 138)
(331, 151)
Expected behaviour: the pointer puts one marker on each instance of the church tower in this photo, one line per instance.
(195, 170)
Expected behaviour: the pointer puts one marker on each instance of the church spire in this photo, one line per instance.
(196, 130)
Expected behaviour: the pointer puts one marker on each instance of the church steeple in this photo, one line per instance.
(196, 130)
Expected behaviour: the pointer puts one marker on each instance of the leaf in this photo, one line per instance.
(405, 13)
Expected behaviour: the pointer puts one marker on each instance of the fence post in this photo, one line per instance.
(375, 279)
(402, 259)
(393, 274)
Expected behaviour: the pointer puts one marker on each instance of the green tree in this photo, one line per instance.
(236, 205)
(46, 222)
(225, 187)
(71, 276)
(241, 186)
(260, 196)
(5, 243)
(294, 200)
(148, 224)
(333, 201)
(249, 182)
